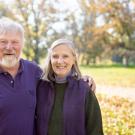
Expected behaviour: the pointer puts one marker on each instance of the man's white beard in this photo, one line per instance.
(9, 61)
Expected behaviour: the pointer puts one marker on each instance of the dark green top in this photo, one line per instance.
(55, 124)
(92, 111)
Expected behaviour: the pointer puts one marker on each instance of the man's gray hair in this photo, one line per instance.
(8, 25)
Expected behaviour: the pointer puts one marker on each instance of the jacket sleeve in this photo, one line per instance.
(93, 115)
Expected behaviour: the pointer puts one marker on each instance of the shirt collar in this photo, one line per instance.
(1, 70)
(21, 67)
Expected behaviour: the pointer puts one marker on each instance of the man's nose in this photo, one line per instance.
(8, 46)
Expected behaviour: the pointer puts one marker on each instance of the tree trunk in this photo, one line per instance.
(126, 61)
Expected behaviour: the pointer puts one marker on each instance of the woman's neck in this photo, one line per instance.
(60, 79)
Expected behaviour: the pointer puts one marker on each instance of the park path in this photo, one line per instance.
(125, 92)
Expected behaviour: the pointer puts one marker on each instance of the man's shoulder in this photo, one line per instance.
(83, 84)
(30, 64)
(27, 62)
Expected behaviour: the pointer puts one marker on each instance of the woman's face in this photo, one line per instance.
(62, 60)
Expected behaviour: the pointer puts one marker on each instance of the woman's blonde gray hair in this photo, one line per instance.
(48, 71)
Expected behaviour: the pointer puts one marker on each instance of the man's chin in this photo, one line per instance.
(9, 63)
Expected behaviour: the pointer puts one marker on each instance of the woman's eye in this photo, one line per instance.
(65, 56)
(55, 56)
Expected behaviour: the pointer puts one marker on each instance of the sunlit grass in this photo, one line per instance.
(116, 76)
(118, 115)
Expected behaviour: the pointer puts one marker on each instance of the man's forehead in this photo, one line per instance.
(11, 35)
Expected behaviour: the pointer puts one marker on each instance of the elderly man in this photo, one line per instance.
(18, 81)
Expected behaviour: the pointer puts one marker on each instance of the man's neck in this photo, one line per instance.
(12, 70)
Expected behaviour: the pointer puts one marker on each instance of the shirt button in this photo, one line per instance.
(12, 81)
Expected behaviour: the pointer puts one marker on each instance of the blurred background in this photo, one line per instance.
(104, 34)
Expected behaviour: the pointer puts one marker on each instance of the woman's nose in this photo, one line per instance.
(60, 60)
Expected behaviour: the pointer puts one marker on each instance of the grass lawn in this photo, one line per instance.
(116, 76)
(118, 113)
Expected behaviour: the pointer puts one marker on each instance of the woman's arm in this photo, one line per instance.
(93, 115)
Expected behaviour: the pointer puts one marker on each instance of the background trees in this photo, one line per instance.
(102, 29)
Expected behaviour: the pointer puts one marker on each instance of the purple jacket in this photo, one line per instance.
(73, 108)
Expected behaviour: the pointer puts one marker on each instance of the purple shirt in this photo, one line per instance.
(18, 100)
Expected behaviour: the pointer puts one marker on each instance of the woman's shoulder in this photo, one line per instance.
(43, 87)
(81, 84)
(42, 83)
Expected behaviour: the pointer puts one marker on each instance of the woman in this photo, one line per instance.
(65, 103)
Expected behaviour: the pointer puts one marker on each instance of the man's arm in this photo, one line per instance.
(90, 81)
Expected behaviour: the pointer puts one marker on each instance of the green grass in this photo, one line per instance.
(118, 113)
(111, 75)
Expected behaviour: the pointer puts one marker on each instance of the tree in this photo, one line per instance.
(123, 18)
